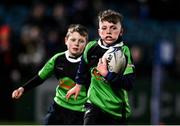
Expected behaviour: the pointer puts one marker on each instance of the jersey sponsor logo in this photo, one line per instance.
(65, 84)
(60, 68)
(94, 57)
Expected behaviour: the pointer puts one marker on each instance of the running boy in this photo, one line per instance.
(64, 66)
(107, 94)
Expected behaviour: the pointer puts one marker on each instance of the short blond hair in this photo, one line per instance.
(82, 30)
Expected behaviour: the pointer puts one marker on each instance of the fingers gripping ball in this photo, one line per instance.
(116, 60)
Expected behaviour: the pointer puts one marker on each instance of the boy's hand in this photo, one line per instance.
(17, 93)
(102, 67)
(75, 90)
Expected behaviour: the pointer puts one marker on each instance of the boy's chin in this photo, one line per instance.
(76, 55)
(108, 42)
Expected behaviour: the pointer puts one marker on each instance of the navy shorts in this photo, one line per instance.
(95, 116)
(58, 115)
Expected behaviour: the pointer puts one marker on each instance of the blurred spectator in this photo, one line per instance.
(37, 16)
(144, 10)
(59, 17)
(137, 54)
(6, 62)
(142, 60)
(54, 40)
(82, 12)
(98, 5)
(31, 50)
(175, 72)
(54, 43)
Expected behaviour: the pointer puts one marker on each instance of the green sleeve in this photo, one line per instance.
(48, 68)
(87, 49)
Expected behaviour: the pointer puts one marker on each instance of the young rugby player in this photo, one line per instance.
(108, 91)
(64, 66)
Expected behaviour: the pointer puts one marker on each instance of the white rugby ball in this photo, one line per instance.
(116, 60)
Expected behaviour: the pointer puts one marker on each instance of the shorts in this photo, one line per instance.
(95, 116)
(58, 115)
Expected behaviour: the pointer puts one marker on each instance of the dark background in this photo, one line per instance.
(30, 33)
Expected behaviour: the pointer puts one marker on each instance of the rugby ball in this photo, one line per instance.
(116, 60)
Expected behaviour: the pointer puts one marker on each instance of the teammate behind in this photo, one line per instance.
(64, 66)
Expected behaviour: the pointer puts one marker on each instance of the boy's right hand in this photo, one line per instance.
(102, 67)
(17, 93)
(75, 90)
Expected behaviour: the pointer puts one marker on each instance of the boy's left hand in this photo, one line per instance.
(102, 67)
(74, 91)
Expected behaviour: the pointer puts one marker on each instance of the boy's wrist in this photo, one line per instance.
(21, 89)
(110, 76)
(78, 85)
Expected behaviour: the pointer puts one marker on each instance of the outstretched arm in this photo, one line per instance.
(35, 81)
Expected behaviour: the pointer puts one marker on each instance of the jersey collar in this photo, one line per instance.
(70, 59)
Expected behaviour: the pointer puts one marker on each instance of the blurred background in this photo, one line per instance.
(32, 31)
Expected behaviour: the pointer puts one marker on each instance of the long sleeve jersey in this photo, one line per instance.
(64, 68)
(108, 93)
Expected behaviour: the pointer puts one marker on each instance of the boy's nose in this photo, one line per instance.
(77, 43)
(108, 31)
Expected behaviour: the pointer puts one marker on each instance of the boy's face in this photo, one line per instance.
(75, 43)
(109, 32)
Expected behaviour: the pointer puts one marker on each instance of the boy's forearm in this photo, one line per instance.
(121, 81)
(34, 82)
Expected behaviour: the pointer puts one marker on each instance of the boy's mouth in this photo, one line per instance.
(75, 49)
(108, 37)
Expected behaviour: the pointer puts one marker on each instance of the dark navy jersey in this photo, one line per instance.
(65, 68)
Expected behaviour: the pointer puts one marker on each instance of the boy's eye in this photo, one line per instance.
(73, 39)
(114, 28)
(103, 28)
(81, 41)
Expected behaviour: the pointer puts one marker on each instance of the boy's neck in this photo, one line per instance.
(72, 58)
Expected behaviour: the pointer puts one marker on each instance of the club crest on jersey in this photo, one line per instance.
(96, 74)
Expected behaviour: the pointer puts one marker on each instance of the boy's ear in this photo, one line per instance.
(98, 30)
(65, 40)
(121, 32)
